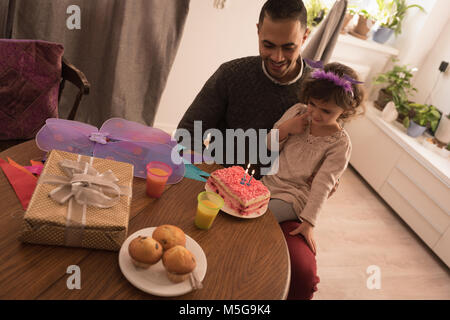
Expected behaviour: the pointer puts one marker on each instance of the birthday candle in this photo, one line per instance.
(245, 175)
(207, 140)
(246, 170)
(253, 172)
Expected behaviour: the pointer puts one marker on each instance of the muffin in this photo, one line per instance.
(169, 236)
(145, 251)
(179, 262)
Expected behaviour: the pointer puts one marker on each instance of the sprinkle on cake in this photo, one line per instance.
(242, 198)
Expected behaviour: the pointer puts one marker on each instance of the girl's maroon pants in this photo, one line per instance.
(304, 277)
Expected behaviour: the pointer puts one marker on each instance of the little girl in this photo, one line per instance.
(314, 152)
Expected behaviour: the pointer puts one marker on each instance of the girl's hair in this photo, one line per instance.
(326, 90)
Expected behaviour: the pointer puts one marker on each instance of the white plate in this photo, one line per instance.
(232, 212)
(154, 279)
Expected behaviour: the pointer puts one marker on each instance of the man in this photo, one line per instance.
(254, 92)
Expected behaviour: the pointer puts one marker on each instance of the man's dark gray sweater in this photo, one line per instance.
(240, 96)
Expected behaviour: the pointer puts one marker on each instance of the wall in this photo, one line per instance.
(211, 37)
(419, 31)
(429, 79)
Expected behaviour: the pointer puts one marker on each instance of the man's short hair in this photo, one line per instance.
(284, 9)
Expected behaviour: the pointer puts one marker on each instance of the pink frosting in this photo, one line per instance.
(231, 178)
(236, 206)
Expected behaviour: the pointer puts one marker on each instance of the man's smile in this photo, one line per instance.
(276, 66)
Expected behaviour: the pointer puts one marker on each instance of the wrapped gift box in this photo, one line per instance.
(69, 221)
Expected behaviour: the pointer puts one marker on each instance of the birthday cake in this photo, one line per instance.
(245, 198)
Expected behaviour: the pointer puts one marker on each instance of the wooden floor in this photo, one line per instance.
(357, 229)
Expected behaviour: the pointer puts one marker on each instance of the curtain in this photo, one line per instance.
(125, 48)
(323, 40)
(6, 12)
(4, 4)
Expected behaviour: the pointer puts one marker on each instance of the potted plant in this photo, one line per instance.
(398, 86)
(350, 13)
(316, 11)
(420, 117)
(365, 23)
(390, 17)
(385, 11)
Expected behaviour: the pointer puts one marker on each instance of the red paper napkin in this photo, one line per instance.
(22, 183)
(18, 166)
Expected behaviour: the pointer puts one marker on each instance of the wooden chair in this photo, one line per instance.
(68, 73)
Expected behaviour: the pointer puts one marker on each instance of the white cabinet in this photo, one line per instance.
(401, 195)
(374, 153)
(410, 178)
(442, 248)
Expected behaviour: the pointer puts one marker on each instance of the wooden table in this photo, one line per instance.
(247, 258)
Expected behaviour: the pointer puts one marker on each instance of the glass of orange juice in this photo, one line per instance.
(157, 175)
(209, 204)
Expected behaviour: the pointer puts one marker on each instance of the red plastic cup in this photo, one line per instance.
(157, 175)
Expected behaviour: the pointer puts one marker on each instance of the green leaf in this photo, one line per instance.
(415, 6)
(434, 125)
(435, 114)
(406, 122)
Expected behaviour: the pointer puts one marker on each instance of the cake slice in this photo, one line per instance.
(239, 197)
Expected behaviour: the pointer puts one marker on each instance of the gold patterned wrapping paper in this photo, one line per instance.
(46, 221)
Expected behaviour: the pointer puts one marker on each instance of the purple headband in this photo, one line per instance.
(345, 81)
